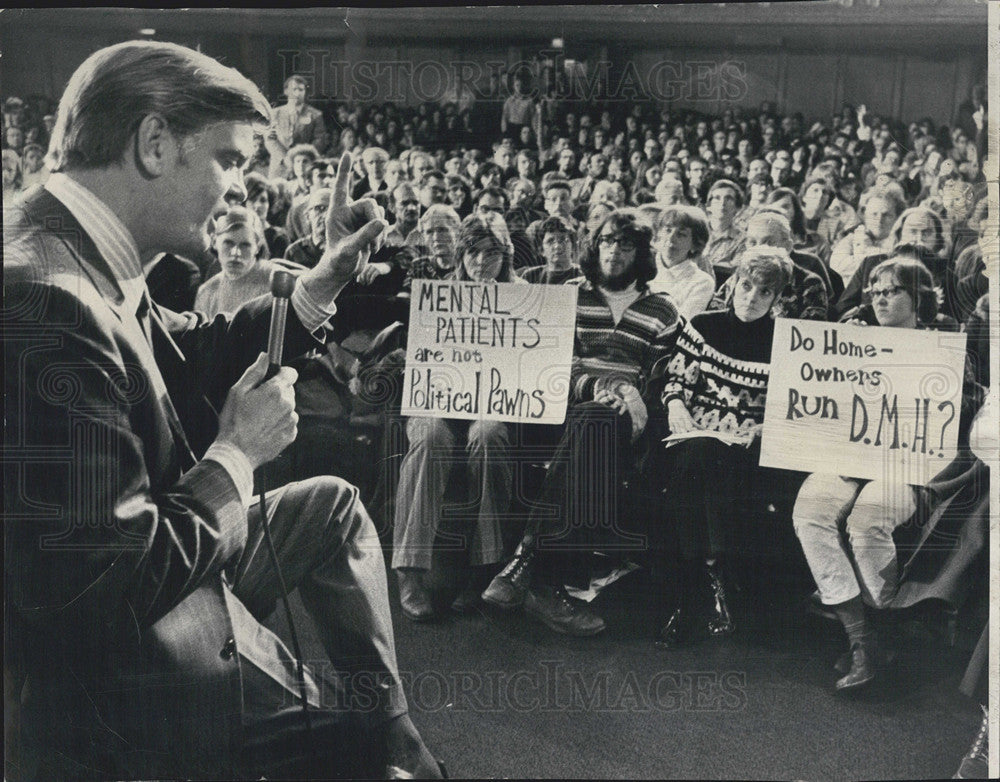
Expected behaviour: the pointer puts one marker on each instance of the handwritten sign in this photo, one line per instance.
(491, 351)
(863, 402)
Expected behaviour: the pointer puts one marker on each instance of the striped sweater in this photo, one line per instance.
(720, 371)
(607, 354)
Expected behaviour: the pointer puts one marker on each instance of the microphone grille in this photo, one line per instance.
(282, 283)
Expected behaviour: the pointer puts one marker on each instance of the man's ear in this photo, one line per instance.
(156, 147)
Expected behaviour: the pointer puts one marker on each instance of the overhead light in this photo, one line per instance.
(147, 31)
(557, 43)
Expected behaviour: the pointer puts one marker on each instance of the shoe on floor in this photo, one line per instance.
(975, 764)
(864, 663)
(467, 600)
(556, 610)
(413, 597)
(508, 588)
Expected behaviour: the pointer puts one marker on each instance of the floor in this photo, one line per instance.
(498, 695)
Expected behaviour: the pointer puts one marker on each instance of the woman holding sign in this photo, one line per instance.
(440, 445)
(714, 396)
(845, 525)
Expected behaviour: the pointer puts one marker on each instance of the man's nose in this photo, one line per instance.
(237, 190)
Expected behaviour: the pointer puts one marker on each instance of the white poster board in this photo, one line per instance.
(863, 402)
(489, 351)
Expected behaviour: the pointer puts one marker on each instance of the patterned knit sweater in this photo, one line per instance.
(720, 371)
(607, 354)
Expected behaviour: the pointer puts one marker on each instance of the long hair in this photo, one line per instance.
(626, 222)
(117, 87)
(477, 230)
(939, 237)
(798, 221)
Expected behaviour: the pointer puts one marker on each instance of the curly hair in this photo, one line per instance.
(628, 223)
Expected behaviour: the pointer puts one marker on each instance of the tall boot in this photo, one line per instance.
(720, 620)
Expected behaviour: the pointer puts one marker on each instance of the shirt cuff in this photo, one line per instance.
(236, 463)
(312, 314)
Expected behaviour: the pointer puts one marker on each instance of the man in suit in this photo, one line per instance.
(135, 577)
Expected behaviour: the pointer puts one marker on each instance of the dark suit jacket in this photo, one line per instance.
(116, 537)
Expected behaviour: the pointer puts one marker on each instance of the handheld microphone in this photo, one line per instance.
(282, 284)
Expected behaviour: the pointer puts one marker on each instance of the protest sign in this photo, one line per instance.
(862, 402)
(490, 351)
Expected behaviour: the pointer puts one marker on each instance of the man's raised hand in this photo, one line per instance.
(353, 230)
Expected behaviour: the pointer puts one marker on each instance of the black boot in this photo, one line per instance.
(509, 587)
(683, 622)
(720, 620)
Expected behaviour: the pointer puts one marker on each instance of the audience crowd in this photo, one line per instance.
(687, 234)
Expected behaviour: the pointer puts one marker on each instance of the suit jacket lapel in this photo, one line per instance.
(156, 359)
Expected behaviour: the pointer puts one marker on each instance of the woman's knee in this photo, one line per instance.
(488, 435)
(429, 433)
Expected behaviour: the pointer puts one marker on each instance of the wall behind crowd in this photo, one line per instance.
(907, 62)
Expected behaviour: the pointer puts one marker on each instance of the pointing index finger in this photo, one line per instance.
(342, 186)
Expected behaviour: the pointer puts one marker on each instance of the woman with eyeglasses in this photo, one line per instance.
(714, 393)
(845, 525)
(484, 253)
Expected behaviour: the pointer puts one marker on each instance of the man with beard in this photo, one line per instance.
(622, 330)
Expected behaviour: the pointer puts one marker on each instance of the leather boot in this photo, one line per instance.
(864, 662)
(509, 587)
(720, 620)
(413, 597)
(683, 622)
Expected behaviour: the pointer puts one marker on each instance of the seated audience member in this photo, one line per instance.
(484, 254)
(438, 228)
(34, 170)
(827, 222)
(308, 250)
(557, 201)
(957, 198)
(12, 175)
(669, 191)
(622, 330)
(238, 239)
(757, 190)
(490, 199)
(679, 235)
(459, 194)
(431, 190)
(320, 174)
(606, 190)
(558, 241)
(298, 159)
(844, 524)
(922, 231)
(374, 160)
(805, 295)
(260, 196)
(788, 203)
(879, 210)
(596, 171)
(406, 207)
(942, 279)
(715, 382)
(723, 201)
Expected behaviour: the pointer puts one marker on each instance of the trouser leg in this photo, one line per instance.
(423, 479)
(821, 507)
